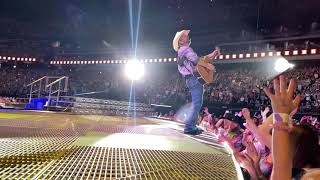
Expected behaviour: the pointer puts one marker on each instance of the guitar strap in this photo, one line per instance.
(181, 62)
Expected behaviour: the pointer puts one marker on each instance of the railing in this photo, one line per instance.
(63, 81)
(36, 92)
(44, 85)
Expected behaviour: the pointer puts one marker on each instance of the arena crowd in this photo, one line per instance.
(266, 148)
(237, 86)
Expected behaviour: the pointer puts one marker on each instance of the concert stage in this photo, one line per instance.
(44, 145)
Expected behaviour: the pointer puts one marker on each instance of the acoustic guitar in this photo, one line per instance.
(205, 71)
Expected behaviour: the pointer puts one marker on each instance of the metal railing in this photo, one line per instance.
(61, 82)
(33, 90)
(45, 85)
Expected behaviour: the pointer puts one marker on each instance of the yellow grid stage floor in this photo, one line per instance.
(64, 146)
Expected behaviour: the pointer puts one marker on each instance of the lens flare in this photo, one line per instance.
(134, 70)
(282, 65)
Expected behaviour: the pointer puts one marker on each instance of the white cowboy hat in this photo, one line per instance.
(177, 38)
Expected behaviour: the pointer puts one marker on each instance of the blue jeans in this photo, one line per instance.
(196, 90)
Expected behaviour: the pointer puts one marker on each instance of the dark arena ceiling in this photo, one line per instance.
(104, 25)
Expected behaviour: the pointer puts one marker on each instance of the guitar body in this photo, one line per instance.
(203, 73)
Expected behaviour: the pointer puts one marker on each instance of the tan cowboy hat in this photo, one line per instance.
(177, 38)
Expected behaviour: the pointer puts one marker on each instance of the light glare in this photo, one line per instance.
(134, 70)
(282, 65)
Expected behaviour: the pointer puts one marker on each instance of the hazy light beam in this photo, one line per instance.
(138, 28)
(131, 23)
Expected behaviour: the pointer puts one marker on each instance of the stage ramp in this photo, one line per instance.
(65, 146)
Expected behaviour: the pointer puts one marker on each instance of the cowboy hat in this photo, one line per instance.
(233, 118)
(177, 38)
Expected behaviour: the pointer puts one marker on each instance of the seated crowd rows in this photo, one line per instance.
(233, 87)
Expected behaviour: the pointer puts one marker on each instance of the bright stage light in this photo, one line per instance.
(282, 65)
(304, 52)
(287, 53)
(134, 70)
(278, 53)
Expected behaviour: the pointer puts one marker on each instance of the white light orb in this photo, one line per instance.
(134, 69)
(282, 65)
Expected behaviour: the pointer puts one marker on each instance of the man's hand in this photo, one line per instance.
(214, 54)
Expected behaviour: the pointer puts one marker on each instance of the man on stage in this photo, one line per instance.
(187, 61)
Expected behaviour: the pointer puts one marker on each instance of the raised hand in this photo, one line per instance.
(245, 137)
(253, 153)
(265, 112)
(215, 53)
(282, 100)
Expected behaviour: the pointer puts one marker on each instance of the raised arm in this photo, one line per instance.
(282, 104)
(261, 132)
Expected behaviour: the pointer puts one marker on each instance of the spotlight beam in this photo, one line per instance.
(138, 29)
(134, 23)
(131, 22)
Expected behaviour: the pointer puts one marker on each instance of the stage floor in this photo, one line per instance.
(64, 146)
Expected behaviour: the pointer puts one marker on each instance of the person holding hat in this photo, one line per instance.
(187, 61)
